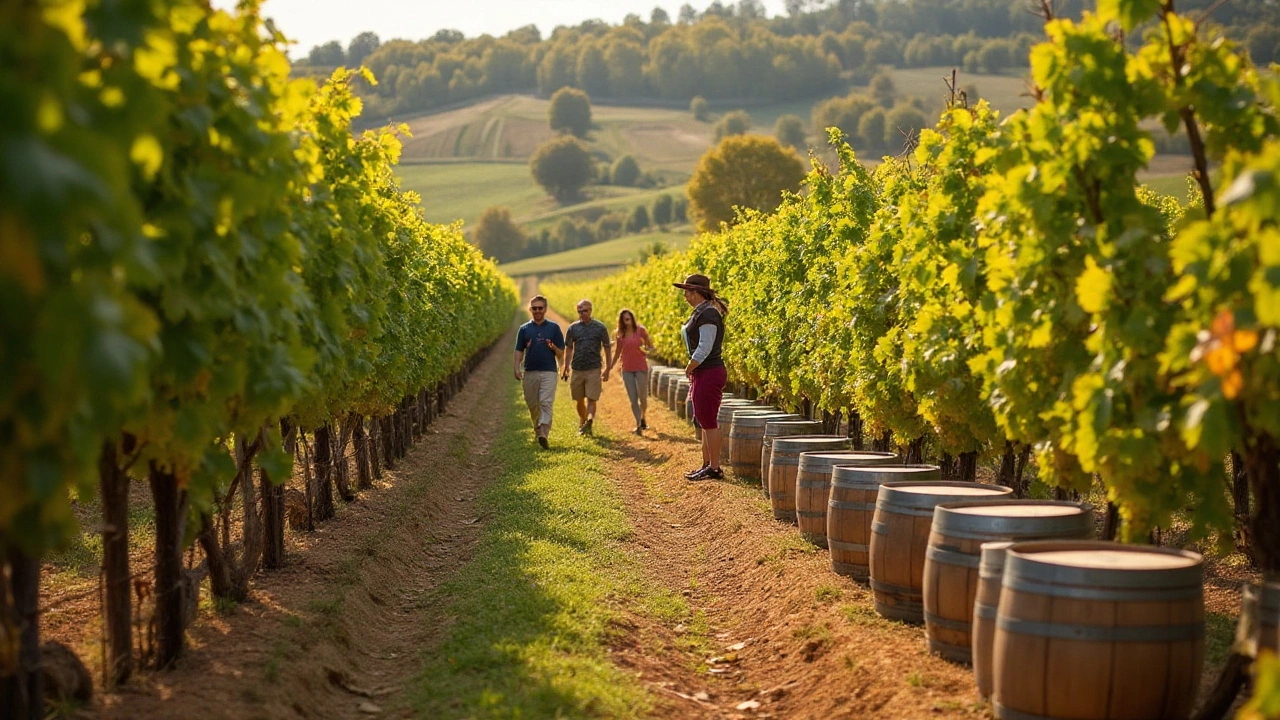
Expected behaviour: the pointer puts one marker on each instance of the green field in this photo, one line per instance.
(611, 252)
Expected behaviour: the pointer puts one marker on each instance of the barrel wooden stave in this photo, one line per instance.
(813, 487)
(851, 508)
(955, 545)
(985, 603)
(1114, 638)
(784, 463)
(899, 540)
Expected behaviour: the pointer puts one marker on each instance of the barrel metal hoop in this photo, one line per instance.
(947, 623)
(954, 653)
(950, 557)
(842, 505)
(998, 531)
(847, 546)
(1028, 567)
(986, 572)
(1107, 594)
(897, 589)
(984, 612)
(812, 513)
(1005, 713)
(908, 511)
(879, 528)
(781, 460)
(813, 484)
(1102, 633)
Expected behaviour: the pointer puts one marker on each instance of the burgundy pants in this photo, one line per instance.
(706, 388)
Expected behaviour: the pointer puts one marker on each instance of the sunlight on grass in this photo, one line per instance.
(531, 612)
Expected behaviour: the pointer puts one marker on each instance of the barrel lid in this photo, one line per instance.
(1103, 564)
(759, 420)
(792, 424)
(794, 443)
(1008, 519)
(930, 493)
(824, 460)
(1013, 508)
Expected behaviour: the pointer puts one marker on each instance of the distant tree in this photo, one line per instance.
(751, 10)
(361, 47)
(570, 111)
(688, 14)
(680, 209)
(448, 36)
(593, 74)
(662, 210)
(498, 236)
(603, 176)
(883, 90)
(870, 139)
(609, 226)
(737, 122)
(625, 60)
(562, 167)
(639, 220)
(902, 122)
(625, 171)
(749, 171)
(844, 113)
(526, 35)
(329, 54)
(790, 130)
(659, 17)
(698, 106)
(565, 235)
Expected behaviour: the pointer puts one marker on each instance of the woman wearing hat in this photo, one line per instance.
(703, 336)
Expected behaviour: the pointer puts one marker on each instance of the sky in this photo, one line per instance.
(314, 22)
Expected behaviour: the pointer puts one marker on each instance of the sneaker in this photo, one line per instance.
(543, 442)
(586, 427)
(692, 474)
(643, 425)
(638, 430)
(709, 473)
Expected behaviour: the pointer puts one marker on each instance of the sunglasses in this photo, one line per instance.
(537, 309)
(581, 312)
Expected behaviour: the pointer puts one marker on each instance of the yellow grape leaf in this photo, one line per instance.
(1232, 385)
(147, 154)
(1221, 359)
(1093, 287)
(1244, 341)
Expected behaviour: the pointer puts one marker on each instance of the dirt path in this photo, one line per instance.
(337, 632)
(811, 645)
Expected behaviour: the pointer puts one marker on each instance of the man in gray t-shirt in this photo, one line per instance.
(583, 343)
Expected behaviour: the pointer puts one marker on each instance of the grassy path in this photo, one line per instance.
(534, 612)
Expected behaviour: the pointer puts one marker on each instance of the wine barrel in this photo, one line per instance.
(784, 463)
(782, 428)
(986, 600)
(813, 486)
(852, 505)
(746, 435)
(900, 536)
(1266, 599)
(724, 419)
(1093, 630)
(680, 396)
(655, 373)
(955, 544)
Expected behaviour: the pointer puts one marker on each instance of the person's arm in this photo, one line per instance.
(706, 341)
(614, 359)
(568, 355)
(608, 356)
(519, 361)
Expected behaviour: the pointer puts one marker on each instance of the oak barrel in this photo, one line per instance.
(813, 486)
(680, 397)
(900, 538)
(724, 419)
(852, 505)
(782, 428)
(1093, 630)
(746, 435)
(655, 372)
(784, 463)
(985, 602)
(955, 544)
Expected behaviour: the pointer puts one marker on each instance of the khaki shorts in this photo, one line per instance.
(585, 384)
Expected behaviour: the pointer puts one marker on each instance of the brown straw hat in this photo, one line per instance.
(696, 282)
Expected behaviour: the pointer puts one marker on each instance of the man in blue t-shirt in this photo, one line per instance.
(539, 347)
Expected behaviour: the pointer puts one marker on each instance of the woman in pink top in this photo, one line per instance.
(633, 347)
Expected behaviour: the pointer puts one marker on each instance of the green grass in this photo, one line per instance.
(611, 252)
(461, 191)
(533, 612)
(1005, 93)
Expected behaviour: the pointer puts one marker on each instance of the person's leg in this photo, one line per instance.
(711, 446)
(531, 384)
(546, 401)
(643, 384)
(578, 388)
(632, 380)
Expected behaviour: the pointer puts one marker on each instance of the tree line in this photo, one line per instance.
(730, 53)
(207, 274)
